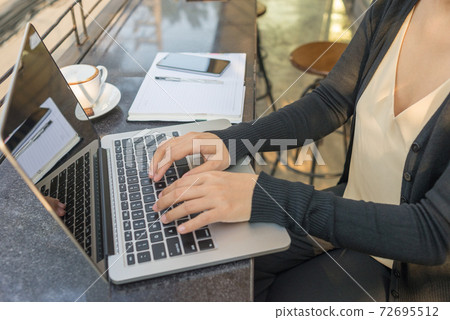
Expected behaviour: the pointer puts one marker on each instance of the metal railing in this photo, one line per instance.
(74, 30)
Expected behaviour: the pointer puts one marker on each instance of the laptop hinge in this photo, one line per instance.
(108, 234)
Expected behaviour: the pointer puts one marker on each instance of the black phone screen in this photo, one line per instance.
(191, 63)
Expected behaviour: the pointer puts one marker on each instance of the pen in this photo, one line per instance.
(35, 137)
(188, 80)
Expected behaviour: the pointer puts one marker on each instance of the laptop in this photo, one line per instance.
(104, 182)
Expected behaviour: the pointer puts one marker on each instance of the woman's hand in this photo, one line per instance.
(57, 206)
(220, 196)
(210, 146)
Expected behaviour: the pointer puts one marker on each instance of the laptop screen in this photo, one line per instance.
(43, 124)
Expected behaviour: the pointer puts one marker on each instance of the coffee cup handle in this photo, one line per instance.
(103, 74)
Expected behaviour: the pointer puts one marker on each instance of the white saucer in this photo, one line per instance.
(107, 101)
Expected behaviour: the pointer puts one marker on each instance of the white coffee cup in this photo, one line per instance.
(86, 82)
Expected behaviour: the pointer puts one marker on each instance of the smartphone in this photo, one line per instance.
(193, 64)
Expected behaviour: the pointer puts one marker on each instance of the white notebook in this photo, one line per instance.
(190, 100)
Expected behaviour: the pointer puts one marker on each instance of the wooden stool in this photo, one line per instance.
(260, 10)
(315, 58)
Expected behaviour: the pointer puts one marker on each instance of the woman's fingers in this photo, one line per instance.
(186, 208)
(207, 144)
(199, 221)
(185, 181)
(57, 206)
(179, 195)
(207, 166)
(165, 155)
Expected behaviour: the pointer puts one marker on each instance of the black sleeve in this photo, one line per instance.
(317, 114)
(416, 233)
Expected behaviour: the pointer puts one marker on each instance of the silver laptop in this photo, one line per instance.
(104, 182)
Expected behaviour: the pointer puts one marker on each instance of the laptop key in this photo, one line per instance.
(127, 142)
(135, 196)
(125, 215)
(143, 173)
(79, 219)
(175, 134)
(182, 170)
(171, 172)
(147, 189)
(89, 251)
(170, 232)
(128, 236)
(130, 259)
(181, 162)
(171, 180)
(188, 243)
(138, 140)
(79, 230)
(181, 221)
(130, 164)
(205, 244)
(129, 247)
(155, 226)
(136, 205)
(146, 182)
(140, 234)
(117, 143)
(131, 172)
(160, 185)
(87, 242)
(80, 239)
(153, 216)
(127, 225)
(149, 198)
(202, 234)
(138, 214)
(173, 246)
(133, 188)
(142, 245)
(54, 185)
(159, 251)
(124, 205)
(139, 224)
(143, 256)
(121, 179)
(149, 208)
(132, 180)
(123, 196)
(156, 237)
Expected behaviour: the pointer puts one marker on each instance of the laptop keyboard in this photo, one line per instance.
(146, 238)
(72, 186)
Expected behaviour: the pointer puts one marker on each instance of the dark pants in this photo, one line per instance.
(306, 273)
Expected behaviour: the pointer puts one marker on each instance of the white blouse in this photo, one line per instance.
(382, 140)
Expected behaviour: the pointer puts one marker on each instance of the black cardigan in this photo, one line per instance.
(417, 232)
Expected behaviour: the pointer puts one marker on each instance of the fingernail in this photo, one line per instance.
(61, 205)
(155, 207)
(181, 228)
(163, 218)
